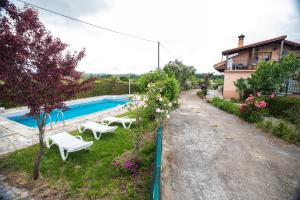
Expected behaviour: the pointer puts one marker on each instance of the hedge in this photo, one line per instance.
(285, 107)
(8, 105)
(108, 87)
(151, 77)
(281, 128)
(278, 105)
(101, 87)
(227, 106)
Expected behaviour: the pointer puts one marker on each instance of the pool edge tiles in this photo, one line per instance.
(76, 109)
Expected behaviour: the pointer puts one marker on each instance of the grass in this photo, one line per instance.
(227, 106)
(281, 128)
(88, 173)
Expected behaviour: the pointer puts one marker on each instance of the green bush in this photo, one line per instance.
(162, 96)
(158, 105)
(254, 108)
(285, 107)
(243, 88)
(282, 129)
(251, 116)
(8, 105)
(109, 87)
(169, 86)
(227, 106)
(201, 94)
(150, 77)
(293, 115)
(234, 100)
(183, 73)
(269, 76)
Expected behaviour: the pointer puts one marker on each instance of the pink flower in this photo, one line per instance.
(272, 95)
(250, 98)
(260, 104)
(128, 164)
(131, 166)
(243, 107)
(258, 94)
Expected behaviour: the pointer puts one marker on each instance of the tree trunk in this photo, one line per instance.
(39, 153)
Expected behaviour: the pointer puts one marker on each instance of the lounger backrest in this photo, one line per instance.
(95, 126)
(67, 141)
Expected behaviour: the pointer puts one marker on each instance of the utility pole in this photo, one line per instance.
(129, 89)
(158, 44)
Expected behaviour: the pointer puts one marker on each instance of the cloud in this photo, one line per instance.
(74, 8)
(195, 31)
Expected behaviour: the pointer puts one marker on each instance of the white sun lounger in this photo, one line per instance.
(121, 120)
(96, 128)
(67, 143)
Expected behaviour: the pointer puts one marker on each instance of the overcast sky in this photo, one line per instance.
(195, 31)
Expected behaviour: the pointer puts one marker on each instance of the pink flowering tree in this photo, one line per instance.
(35, 69)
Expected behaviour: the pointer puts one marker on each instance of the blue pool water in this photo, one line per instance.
(73, 111)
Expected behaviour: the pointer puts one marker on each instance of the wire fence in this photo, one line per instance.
(292, 87)
(155, 191)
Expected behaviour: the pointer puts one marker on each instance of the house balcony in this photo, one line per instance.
(237, 65)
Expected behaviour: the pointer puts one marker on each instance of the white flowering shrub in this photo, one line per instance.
(158, 106)
(137, 104)
(153, 105)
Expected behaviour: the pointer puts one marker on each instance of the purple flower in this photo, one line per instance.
(131, 166)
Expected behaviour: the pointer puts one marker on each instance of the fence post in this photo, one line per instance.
(287, 87)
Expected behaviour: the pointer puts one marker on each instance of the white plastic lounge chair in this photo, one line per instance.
(67, 143)
(96, 128)
(121, 120)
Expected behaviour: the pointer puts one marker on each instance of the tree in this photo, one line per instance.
(205, 83)
(270, 76)
(243, 88)
(182, 73)
(34, 70)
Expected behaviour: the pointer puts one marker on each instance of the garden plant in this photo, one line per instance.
(39, 73)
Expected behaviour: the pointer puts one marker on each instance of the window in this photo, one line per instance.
(263, 56)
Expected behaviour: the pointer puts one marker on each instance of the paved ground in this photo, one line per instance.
(209, 154)
(8, 192)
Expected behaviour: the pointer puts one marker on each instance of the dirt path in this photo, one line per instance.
(209, 154)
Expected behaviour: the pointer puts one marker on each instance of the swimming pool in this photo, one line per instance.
(72, 111)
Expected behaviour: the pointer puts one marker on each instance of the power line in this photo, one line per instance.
(168, 50)
(88, 23)
(103, 28)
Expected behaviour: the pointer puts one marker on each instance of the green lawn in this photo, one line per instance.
(89, 173)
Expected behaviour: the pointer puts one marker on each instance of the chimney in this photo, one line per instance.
(241, 40)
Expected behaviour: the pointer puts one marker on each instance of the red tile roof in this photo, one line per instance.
(291, 43)
(220, 66)
(235, 50)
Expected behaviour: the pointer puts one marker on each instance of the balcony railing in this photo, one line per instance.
(240, 65)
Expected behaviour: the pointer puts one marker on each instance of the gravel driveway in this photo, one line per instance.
(209, 154)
